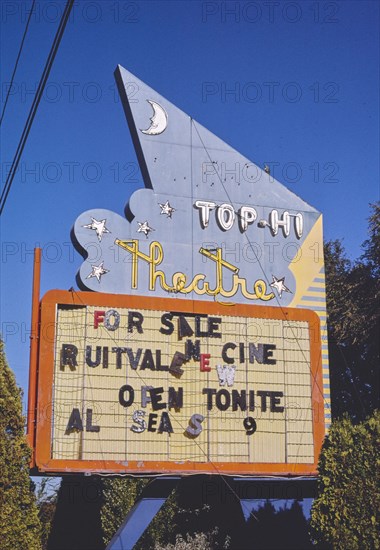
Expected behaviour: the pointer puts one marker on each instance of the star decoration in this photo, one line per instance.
(97, 271)
(99, 227)
(278, 284)
(145, 228)
(167, 209)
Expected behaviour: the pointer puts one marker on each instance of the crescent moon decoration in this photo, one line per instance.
(159, 120)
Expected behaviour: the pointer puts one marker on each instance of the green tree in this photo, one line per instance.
(261, 527)
(353, 305)
(199, 541)
(119, 496)
(292, 528)
(19, 523)
(372, 245)
(345, 515)
(285, 529)
(208, 505)
(200, 505)
(47, 503)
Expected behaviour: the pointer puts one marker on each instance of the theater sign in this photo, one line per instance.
(197, 343)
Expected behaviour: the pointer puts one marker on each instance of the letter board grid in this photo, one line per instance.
(92, 386)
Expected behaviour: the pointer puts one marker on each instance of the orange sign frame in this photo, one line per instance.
(41, 377)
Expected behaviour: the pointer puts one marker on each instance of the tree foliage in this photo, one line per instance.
(372, 245)
(198, 541)
(346, 512)
(284, 529)
(19, 523)
(353, 305)
(46, 503)
(119, 496)
(206, 504)
(199, 506)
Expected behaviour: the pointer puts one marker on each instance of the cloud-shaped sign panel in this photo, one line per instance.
(209, 224)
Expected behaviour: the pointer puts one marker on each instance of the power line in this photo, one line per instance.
(36, 101)
(17, 60)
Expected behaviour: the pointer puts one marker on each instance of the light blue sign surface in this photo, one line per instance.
(210, 224)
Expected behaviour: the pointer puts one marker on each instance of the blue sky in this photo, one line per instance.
(290, 84)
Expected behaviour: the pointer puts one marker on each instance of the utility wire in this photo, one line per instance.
(17, 60)
(36, 101)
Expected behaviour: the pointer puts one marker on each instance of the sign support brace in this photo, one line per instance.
(152, 498)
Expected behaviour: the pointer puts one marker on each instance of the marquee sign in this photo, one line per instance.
(202, 346)
(130, 384)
